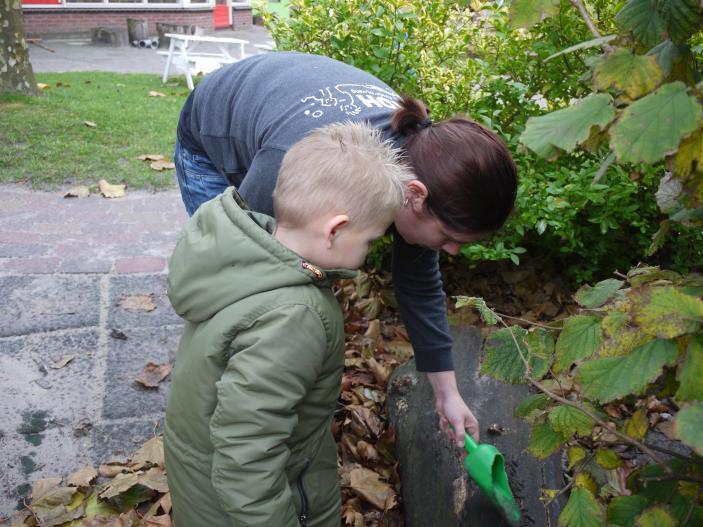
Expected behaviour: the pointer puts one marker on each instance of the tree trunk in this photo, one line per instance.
(16, 74)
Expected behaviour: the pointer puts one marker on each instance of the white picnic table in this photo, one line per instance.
(182, 53)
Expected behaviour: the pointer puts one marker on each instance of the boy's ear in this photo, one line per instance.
(333, 226)
(416, 193)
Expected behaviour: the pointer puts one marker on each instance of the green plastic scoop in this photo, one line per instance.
(486, 466)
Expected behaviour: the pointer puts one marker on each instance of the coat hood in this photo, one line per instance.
(226, 253)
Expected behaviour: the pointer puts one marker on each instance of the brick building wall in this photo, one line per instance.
(242, 18)
(67, 21)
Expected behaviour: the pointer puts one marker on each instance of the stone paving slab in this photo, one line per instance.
(42, 407)
(34, 303)
(43, 232)
(123, 287)
(124, 397)
(65, 265)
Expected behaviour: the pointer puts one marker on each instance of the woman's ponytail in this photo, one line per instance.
(411, 117)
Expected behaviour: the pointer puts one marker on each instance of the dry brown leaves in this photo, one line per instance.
(127, 494)
(138, 302)
(157, 162)
(153, 374)
(375, 345)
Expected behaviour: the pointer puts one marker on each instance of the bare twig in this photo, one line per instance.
(670, 453)
(36, 42)
(578, 4)
(561, 491)
(530, 322)
(672, 477)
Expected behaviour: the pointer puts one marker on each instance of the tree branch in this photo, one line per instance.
(672, 477)
(627, 439)
(578, 4)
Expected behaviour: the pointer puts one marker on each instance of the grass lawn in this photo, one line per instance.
(45, 142)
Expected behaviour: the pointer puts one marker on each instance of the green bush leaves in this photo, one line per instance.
(666, 312)
(599, 294)
(568, 128)
(579, 339)
(605, 380)
(635, 75)
(582, 510)
(653, 126)
(689, 426)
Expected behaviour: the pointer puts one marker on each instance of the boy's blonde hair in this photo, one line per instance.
(344, 168)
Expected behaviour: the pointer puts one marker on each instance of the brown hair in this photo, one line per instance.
(469, 173)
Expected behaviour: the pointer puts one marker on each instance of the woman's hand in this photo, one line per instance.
(451, 407)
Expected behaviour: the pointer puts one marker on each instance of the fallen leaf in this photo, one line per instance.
(82, 477)
(374, 329)
(110, 470)
(380, 371)
(153, 93)
(43, 86)
(367, 485)
(162, 165)
(157, 521)
(81, 191)
(111, 191)
(150, 453)
(368, 420)
(138, 302)
(367, 452)
(62, 361)
(120, 483)
(90, 124)
(117, 334)
(42, 487)
(153, 374)
(401, 349)
(151, 157)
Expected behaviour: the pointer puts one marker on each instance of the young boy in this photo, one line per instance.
(258, 369)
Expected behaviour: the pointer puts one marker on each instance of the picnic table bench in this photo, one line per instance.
(183, 54)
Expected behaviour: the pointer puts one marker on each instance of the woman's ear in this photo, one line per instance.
(416, 194)
(333, 226)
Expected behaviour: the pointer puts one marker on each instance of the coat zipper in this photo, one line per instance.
(303, 516)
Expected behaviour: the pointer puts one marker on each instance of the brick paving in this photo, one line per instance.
(66, 264)
(43, 232)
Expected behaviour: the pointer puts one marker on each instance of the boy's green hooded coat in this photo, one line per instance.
(248, 423)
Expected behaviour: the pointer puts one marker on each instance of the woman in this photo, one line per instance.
(238, 123)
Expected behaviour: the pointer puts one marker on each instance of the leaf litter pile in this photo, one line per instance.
(135, 492)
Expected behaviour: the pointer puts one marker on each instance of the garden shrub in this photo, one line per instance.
(467, 57)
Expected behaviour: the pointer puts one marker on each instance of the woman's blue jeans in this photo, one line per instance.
(198, 178)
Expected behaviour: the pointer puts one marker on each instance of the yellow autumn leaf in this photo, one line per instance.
(637, 425)
(585, 481)
(162, 165)
(111, 191)
(80, 191)
(689, 155)
(151, 157)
